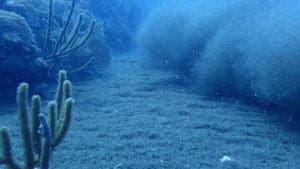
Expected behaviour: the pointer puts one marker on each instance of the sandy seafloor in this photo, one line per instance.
(135, 118)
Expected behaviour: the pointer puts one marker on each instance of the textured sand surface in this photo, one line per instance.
(134, 118)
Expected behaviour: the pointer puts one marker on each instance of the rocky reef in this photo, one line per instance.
(38, 38)
(18, 51)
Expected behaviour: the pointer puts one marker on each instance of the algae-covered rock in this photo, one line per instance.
(34, 12)
(36, 15)
(18, 51)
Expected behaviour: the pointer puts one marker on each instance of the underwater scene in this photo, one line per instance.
(149, 84)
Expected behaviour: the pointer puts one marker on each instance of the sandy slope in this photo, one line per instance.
(136, 119)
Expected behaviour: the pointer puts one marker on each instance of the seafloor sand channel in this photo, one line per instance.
(141, 119)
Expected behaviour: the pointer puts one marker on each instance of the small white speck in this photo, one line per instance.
(225, 159)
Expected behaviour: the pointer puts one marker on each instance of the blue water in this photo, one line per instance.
(159, 84)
